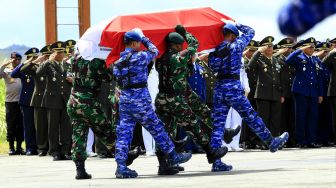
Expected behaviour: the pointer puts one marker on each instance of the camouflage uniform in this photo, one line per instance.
(135, 102)
(229, 92)
(176, 104)
(84, 107)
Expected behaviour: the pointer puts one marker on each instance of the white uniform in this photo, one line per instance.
(89, 144)
(233, 119)
(153, 87)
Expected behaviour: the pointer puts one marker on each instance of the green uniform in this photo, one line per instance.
(176, 104)
(84, 107)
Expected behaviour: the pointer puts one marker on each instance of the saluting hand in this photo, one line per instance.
(262, 49)
(320, 99)
(282, 100)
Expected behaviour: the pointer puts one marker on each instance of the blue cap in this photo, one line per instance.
(132, 36)
(232, 28)
(16, 55)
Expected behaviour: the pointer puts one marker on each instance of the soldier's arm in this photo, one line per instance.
(2, 70)
(29, 68)
(292, 58)
(16, 72)
(42, 69)
(150, 54)
(253, 63)
(329, 60)
(192, 46)
(242, 41)
(104, 73)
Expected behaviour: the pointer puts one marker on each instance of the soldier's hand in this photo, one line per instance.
(304, 47)
(282, 100)
(262, 49)
(333, 50)
(246, 93)
(204, 57)
(180, 30)
(283, 50)
(69, 79)
(139, 32)
(52, 57)
(9, 62)
(320, 99)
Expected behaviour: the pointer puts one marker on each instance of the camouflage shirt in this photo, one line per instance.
(88, 77)
(173, 73)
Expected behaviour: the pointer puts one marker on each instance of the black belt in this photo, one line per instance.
(170, 91)
(228, 77)
(85, 90)
(133, 86)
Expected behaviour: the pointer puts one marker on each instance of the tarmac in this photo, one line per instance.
(286, 168)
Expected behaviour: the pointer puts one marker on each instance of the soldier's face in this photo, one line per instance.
(136, 45)
(309, 51)
(269, 50)
(59, 56)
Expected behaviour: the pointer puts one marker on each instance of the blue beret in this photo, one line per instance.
(132, 36)
(16, 55)
(232, 28)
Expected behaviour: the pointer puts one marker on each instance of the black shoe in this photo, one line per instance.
(164, 167)
(329, 144)
(31, 152)
(81, 172)
(42, 154)
(313, 145)
(56, 157)
(179, 168)
(132, 155)
(180, 144)
(12, 152)
(20, 151)
(214, 154)
(198, 150)
(230, 133)
(65, 157)
(263, 147)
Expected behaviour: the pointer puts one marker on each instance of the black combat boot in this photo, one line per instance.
(214, 154)
(81, 172)
(11, 148)
(230, 133)
(164, 167)
(132, 155)
(180, 144)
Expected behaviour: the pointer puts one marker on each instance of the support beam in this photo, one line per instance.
(83, 16)
(50, 21)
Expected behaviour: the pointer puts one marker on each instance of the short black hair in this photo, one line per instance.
(127, 42)
(227, 32)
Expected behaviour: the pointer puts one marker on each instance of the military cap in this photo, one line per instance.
(286, 43)
(253, 45)
(176, 38)
(46, 50)
(276, 47)
(266, 41)
(68, 50)
(58, 46)
(70, 43)
(309, 41)
(323, 46)
(132, 36)
(333, 40)
(32, 52)
(297, 44)
(16, 55)
(231, 27)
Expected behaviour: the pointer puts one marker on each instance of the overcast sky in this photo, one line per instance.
(22, 21)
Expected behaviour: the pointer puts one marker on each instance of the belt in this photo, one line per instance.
(133, 86)
(85, 90)
(228, 77)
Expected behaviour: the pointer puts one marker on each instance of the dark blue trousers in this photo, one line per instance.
(306, 118)
(29, 127)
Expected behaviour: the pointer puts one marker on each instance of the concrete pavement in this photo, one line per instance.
(287, 168)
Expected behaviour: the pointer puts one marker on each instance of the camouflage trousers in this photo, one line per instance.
(186, 111)
(85, 114)
(143, 113)
(231, 96)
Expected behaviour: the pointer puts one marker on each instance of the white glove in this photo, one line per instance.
(229, 21)
(138, 31)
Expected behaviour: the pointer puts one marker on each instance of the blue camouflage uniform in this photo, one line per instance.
(298, 16)
(27, 82)
(197, 82)
(307, 87)
(135, 101)
(229, 92)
